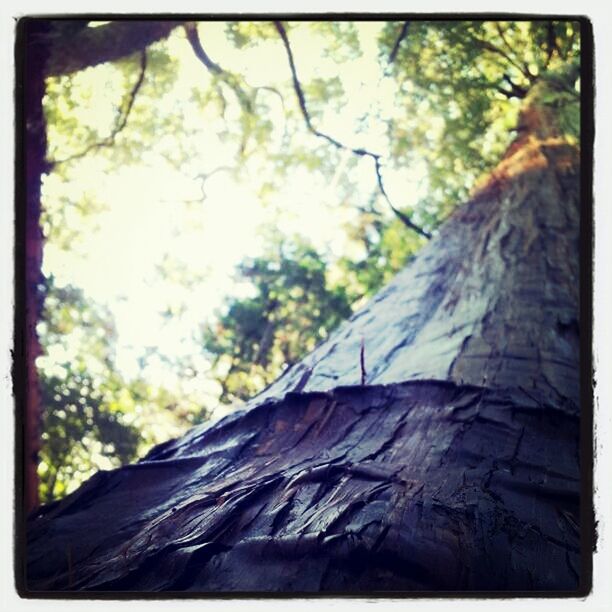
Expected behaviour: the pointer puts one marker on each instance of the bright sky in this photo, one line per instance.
(145, 217)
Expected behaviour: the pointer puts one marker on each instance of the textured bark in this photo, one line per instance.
(423, 485)
(455, 468)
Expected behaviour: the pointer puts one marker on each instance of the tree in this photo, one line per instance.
(293, 309)
(75, 417)
(455, 466)
(471, 480)
(92, 418)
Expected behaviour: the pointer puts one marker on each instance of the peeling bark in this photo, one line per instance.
(455, 468)
(299, 495)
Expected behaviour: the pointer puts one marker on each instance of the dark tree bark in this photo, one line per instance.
(456, 467)
(28, 299)
(76, 49)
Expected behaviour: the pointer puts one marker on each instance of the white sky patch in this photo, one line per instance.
(147, 220)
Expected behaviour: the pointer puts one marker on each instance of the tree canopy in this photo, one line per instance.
(355, 140)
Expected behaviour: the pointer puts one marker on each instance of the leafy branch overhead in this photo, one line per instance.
(123, 115)
(458, 87)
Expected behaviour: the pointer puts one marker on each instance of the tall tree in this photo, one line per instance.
(459, 323)
(431, 443)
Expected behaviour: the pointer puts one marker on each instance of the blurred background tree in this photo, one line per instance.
(314, 159)
(294, 307)
(93, 418)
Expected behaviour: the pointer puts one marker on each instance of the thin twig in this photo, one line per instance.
(299, 92)
(502, 35)
(123, 117)
(203, 177)
(361, 152)
(282, 101)
(398, 42)
(362, 362)
(402, 216)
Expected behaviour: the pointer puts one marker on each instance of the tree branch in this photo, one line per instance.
(191, 30)
(551, 43)
(299, 92)
(488, 46)
(516, 91)
(204, 176)
(282, 101)
(107, 43)
(398, 42)
(398, 213)
(502, 35)
(122, 117)
(504, 92)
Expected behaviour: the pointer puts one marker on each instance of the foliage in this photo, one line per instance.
(293, 308)
(448, 97)
(386, 248)
(92, 418)
(470, 77)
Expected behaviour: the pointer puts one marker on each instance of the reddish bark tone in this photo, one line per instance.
(456, 468)
(34, 166)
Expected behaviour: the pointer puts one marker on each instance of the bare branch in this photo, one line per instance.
(277, 93)
(489, 46)
(246, 101)
(398, 213)
(299, 92)
(502, 35)
(504, 92)
(123, 116)
(516, 91)
(191, 30)
(398, 42)
(204, 176)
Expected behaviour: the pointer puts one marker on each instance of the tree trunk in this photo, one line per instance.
(455, 468)
(32, 167)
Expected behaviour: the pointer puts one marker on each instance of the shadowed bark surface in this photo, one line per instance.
(455, 467)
